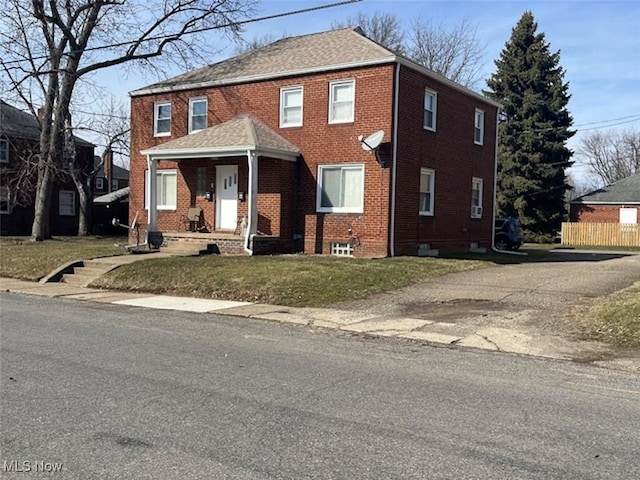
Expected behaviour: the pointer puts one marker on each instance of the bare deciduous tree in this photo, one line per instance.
(48, 46)
(113, 128)
(611, 155)
(256, 43)
(383, 28)
(20, 178)
(456, 54)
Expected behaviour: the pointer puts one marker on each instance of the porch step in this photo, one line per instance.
(84, 275)
(188, 248)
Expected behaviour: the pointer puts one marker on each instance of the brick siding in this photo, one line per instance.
(597, 213)
(287, 190)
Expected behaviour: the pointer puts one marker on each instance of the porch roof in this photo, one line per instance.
(235, 137)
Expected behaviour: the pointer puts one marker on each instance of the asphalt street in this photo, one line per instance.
(113, 391)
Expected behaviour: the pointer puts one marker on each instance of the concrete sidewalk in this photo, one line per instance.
(352, 321)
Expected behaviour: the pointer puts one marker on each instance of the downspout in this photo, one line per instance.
(392, 221)
(252, 205)
(495, 193)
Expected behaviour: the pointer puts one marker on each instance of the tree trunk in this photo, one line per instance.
(84, 198)
(40, 230)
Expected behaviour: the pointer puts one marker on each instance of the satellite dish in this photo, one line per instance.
(372, 141)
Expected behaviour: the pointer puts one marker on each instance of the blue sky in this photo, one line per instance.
(599, 43)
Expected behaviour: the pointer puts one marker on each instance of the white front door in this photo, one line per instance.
(226, 197)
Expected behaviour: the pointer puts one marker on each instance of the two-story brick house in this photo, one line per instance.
(19, 147)
(109, 177)
(268, 146)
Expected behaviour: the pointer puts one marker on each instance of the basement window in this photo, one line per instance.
(342, 249)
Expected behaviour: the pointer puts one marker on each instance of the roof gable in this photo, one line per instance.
(626, 190)
(323, 51)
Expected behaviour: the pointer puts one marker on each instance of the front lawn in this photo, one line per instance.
(293, 280)
(26, 260)
(616, 318)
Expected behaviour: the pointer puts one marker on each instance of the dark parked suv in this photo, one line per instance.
(508, 234)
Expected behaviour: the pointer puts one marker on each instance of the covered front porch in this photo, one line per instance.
(230, 186)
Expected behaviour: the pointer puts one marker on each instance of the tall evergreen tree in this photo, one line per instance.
(534, 128)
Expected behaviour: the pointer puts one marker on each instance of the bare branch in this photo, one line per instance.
(611, 155)
(456, 54)
(383, 28)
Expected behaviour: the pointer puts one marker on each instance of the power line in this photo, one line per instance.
(609, 120)
(198, 30)
(612, 125)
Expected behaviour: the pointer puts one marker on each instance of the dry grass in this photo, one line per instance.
(294, 280)
(615, 319)
(27, 260)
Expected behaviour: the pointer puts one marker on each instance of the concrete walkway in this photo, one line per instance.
(359, 322)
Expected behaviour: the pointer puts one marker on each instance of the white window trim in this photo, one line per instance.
(146, 189)
(320, 208)
(156, 109)
(479, 114)
(428, 92)
(432, 185)
(206, 106)
(476, 210)
(283, 91)
(99, 183)
(73, 203)
(334, 84)
(4, 146)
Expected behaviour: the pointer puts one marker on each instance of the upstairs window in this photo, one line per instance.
(476, 197)
(341, 101)
(478, 130)
(430, 110)
(4, 151)
(291, 107)
(427, 182)
(162, 119)
(114, 184)
(66, 203)
(197, 114)
(99, 183)
(340, 188)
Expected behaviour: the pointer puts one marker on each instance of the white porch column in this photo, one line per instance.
(252, 217)
(152, 215)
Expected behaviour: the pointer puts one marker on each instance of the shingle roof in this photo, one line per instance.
(626, 190)
(243, 132)
(117, 172)
(117, 196)
(16, 123)
(323, 51)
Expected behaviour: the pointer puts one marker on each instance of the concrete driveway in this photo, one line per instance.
(542, 298)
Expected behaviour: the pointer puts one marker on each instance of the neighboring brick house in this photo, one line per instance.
(615, 203)
(19, 144)
(110, 177)
(267, 145)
